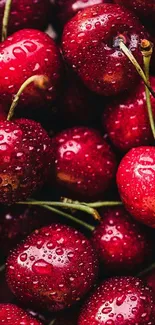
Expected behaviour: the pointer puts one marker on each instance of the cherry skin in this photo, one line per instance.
(144, 9)
(136, 183)
(16, 222)
(59, 265)
(149, 278)
(11, 314)
(119, 301)
(126, 121)
(26, 53)
(65, 10)
(90, 45)
(26, 14)
(124, 246)
(25, 159)
(83, 162)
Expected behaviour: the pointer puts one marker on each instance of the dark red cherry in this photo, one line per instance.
(53, 268)
(11, 314)
(90, 45)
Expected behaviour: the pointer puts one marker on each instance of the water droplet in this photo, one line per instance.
(42, 267)
(23, 257)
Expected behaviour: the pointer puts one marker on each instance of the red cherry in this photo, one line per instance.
(123, 245)
(136, 183)
(90, 46)
(83, 162)
(26, 14)
(16, 222)
(11, 314)
(53, 268)
(26, 53)
(126, 119)
(65, 10)
(119, 301)
(143, 9)
(25, 159)
(149, 278)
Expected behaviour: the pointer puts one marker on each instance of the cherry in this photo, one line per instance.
(26, 14)
(16, 222)
(11, 314)
(83, 162)
(126, 121)
(136, 183)
(144, 9)
(53, 268)
(149, 278)
(25, 159)
(90, 44)
(65, 10)
(123, 245)
(26, 53)
(119, 301)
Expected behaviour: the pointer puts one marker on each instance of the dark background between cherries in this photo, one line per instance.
(121, 119)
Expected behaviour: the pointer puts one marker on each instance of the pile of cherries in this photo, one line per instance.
(77, 162)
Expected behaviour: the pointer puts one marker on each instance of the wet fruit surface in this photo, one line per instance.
(11, 314)
(122, 244)
(25, 151)
(119, 301)
(56, 266)
(144, 9)
(126, 119)
(28, 52)
(26, 14)
(90, 46)
(136, 183)
(83, 162)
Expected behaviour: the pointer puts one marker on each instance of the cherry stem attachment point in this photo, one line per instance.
(130, 56)
(147, 50)
(40, 81)
(76, 206)
(5, 20)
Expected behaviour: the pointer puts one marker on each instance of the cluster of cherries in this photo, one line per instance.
(77, 138)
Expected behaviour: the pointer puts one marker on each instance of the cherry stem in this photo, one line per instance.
(39, 80)
(147, 270)
(5, 21)
(70, 217)
(147, 50)
(130, 56)
(98, 204)
(76, 206)
(52, 322)
(2, 268)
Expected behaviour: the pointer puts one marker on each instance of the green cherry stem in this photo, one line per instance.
(98, 204)
(40, 81)
(76, 206)
(69, 217)
(130, 56)
(147, 50)
(2, 268)
(5, 21)
(147, 270)
(101, 204)
(52, 322)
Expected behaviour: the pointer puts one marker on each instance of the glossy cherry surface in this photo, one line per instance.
(53, 268)
(136, 183)
(119, 301)
(90, 45)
